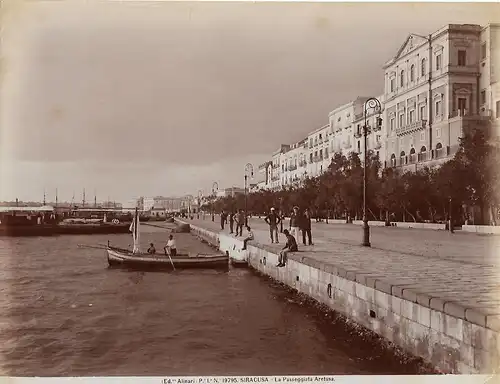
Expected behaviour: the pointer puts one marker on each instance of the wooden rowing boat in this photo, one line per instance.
(125, 258)
(138, 259)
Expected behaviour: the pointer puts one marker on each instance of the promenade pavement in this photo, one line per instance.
(459, 268)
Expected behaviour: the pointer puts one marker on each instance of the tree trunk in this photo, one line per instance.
(387, 221)
(407, 211)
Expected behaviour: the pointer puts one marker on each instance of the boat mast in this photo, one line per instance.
(56, 197)
(44, 196)
(95, 199)
(83, 199)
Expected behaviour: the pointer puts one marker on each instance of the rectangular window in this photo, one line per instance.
(392, 123)
(462, 58)
(438, 108)
(393, 84)
(483, 97)
(462, 105)
(401, 120)
(438, 62)
(412, 116)
(497, 106)
(422, 136)
(483, 51)
(438, 133)
(422, 112)
(359, 146)
(378, 138)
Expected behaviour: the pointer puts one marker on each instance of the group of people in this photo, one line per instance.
(170, 249)
(234, 218)
(299, 222)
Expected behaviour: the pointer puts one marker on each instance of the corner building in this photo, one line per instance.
(431, 96)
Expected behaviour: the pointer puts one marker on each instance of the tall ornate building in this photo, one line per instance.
(431, 95)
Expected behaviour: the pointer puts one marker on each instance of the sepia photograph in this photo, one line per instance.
(250, 190)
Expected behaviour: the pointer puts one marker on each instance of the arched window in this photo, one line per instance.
(423, 68)
(402, 154)
(412, 151)
(439, 146)
(423, 149)
(402, 79)
(412, 73)
(393, 160)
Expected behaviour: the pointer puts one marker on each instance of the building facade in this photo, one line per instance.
(436, 87)
(431, 96)
(489, 88)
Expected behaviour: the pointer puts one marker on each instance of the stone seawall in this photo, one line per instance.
(426, 327)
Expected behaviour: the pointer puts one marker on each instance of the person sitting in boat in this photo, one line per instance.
(247, 238)
(171, 248)
(151, 249)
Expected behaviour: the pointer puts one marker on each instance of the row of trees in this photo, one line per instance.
(470, 179)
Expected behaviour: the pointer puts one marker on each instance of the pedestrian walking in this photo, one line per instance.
(290, 246)
(272, 219)
(295, 222)
(306, 227)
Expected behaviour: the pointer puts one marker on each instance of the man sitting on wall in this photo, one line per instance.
(290, 246)
(247, 238)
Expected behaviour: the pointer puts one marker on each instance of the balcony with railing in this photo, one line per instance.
(275, 178)
(302, 163)
(411, 128)
(378, 145)
(358, 134)
(292, 167)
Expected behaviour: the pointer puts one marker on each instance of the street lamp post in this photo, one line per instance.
(372, 103)
(215, 187)
(248, 169)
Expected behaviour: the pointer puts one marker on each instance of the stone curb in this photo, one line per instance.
(400, 290)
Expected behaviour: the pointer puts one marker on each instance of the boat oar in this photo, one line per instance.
(168, 254)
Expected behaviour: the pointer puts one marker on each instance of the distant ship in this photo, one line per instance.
(48, 221)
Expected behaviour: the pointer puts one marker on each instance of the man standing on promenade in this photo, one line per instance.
(240, 221)
(295, 222)
(306, 227)
(231, 222)
(273, 220)
(290, 246)
(223, 219)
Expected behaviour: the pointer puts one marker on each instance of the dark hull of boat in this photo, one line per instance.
(27, 230)
(126, 259)
(92, 229)
(238, 263)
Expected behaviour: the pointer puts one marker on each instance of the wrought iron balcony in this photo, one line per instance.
(358, 134)
(292, 167)
(302, 163)
(378, 145)
(411, 128)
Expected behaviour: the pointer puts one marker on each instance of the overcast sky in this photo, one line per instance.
(158, 98)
